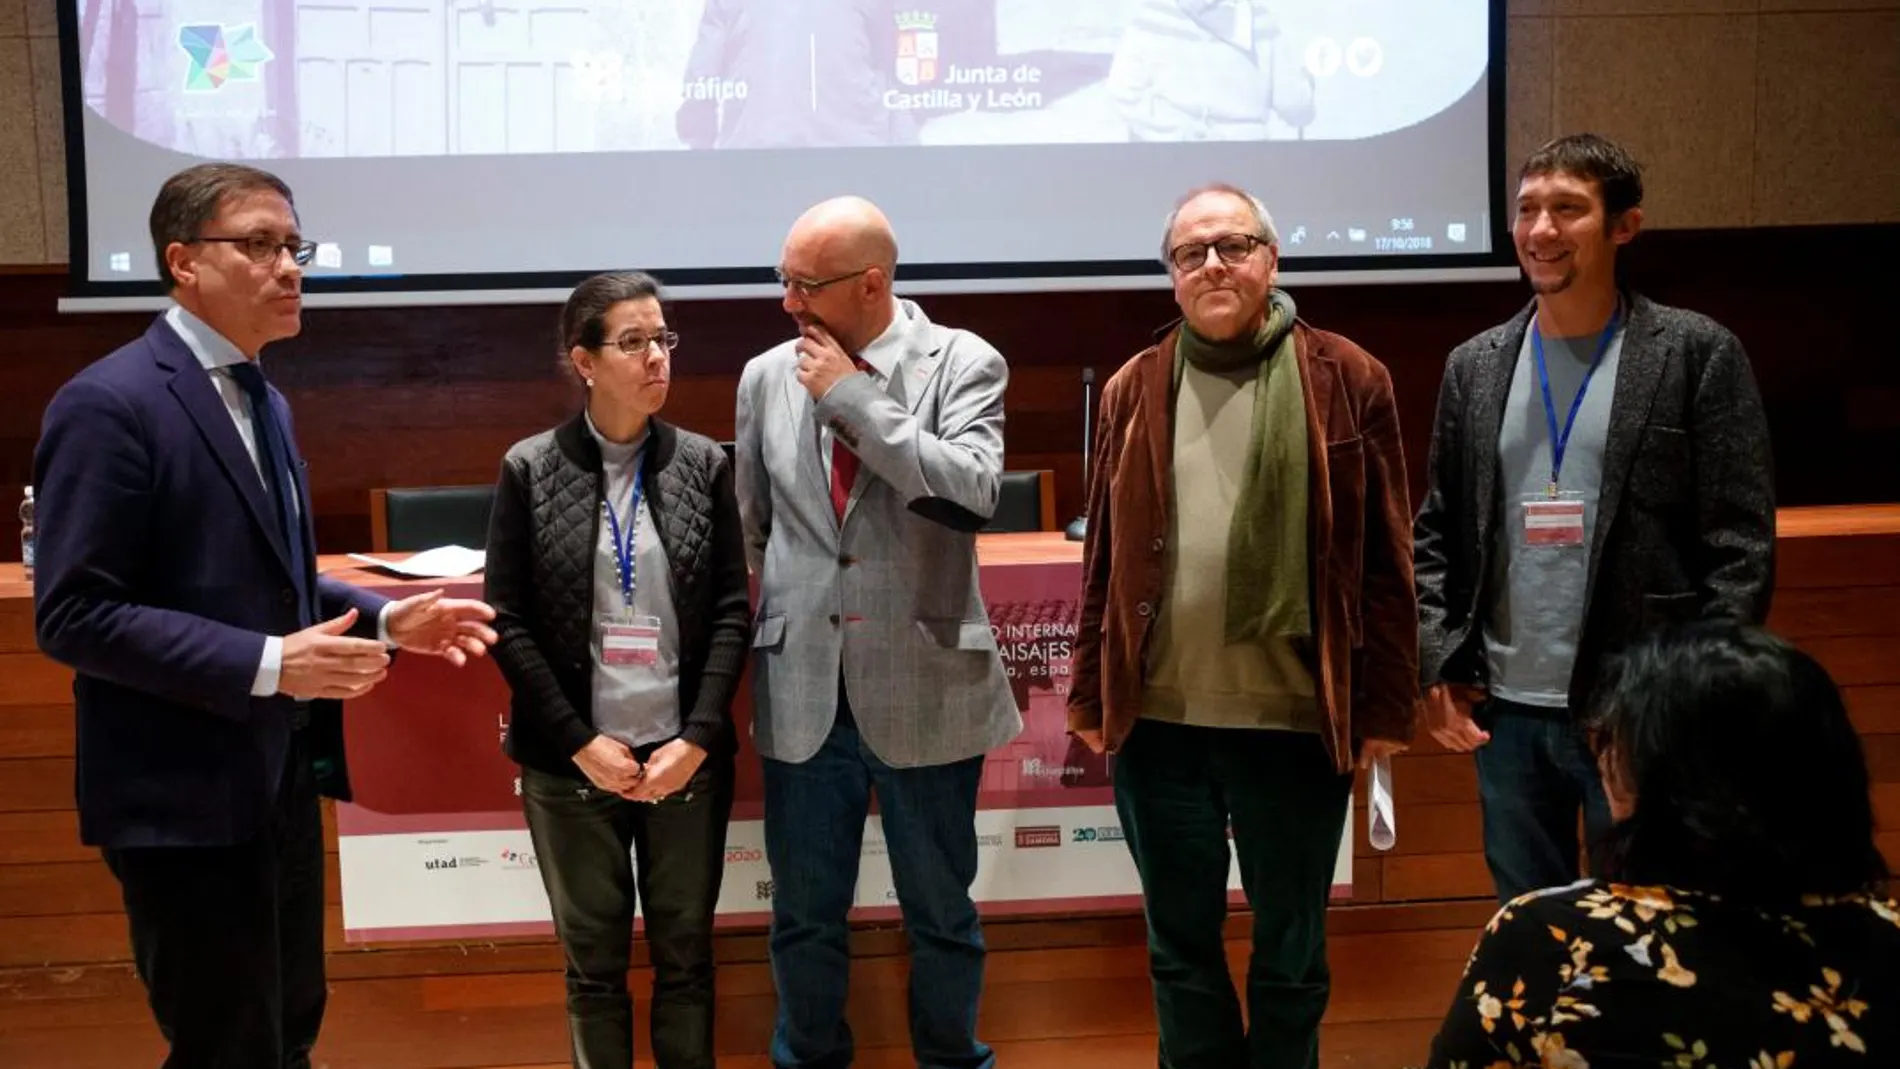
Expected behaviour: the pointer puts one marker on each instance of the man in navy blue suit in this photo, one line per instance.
(176, 576)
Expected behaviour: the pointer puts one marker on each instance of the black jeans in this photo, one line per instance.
(1534, 776)
(229, 939)
(582, 838)
(1178, 790)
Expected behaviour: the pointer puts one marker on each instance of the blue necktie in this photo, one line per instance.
(273, 453)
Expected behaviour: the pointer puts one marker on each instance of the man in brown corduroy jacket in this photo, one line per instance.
(1249, 629)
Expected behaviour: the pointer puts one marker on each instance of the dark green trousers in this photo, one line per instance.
(1178, 790)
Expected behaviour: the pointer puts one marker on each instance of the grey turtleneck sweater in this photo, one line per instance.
(636, 704)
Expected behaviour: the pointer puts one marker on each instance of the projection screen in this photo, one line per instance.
(496, 150)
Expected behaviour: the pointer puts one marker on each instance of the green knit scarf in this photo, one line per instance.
(1267, 564)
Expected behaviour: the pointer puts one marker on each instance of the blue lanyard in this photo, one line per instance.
(625, 546)
(1559, 440)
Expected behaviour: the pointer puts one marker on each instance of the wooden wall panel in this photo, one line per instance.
(41, 836)
(63, 942)
(1883, 758)
(16, 620)
(1432, 828)
(31, 679)
(1433, 779)
(1837, 562)
(37, 731)
(1834, 612)
(1876, 710)
(1862, 660)
(1368, 880)
(1432, 876)
(58, 889)
(36, 783)
(1887, 805)
(426, 396)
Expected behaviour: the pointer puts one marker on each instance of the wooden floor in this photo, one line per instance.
(1084, 1005)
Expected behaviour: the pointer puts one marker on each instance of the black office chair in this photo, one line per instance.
(1025, 502)
(404, 519)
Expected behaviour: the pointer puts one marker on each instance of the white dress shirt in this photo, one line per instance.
(882, 354)
(216, 354)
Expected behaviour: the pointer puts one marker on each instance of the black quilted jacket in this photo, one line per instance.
(540, 579)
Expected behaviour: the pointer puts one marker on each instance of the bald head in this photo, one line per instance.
(838, 264)
(844, 234)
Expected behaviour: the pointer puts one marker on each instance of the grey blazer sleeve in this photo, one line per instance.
(753, 488)
(1734, 488)
(950, 473)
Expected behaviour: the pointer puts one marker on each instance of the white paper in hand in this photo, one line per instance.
(1381, 832)
(442, 562)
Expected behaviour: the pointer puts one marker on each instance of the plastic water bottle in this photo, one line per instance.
(26, 533)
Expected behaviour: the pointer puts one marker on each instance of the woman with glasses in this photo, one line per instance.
(617, 573)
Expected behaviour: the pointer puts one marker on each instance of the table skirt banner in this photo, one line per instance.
(435, 845)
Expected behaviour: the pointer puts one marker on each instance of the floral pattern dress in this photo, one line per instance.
(1606, 976)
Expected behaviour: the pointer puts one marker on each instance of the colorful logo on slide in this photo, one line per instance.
(916, 47)
(221, 54)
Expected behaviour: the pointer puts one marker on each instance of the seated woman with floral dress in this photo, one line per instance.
(1742, 921)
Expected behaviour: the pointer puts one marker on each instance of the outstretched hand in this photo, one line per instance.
(453, 629)
(323, 661)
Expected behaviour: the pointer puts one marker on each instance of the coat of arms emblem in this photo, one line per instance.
(916, 47)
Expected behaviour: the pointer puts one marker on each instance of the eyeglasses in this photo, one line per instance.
(1231, 248)
(808, 288)
(264, 249)
(638, 344)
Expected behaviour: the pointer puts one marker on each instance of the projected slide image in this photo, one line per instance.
(313, 79)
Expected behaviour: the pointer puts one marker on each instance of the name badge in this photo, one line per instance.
(1553, 521)
(633, 640)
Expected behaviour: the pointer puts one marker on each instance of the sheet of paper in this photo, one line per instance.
(1381, 832)
(442, 562)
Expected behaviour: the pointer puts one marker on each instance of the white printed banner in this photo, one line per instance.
(435, 845)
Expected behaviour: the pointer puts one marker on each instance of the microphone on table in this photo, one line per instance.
(1078, 528)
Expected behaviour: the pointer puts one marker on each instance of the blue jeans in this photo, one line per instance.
(1533, 776)
(814, 830)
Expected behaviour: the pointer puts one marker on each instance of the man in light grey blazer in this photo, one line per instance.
(869, 452)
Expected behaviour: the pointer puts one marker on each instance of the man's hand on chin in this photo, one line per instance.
(822, 362)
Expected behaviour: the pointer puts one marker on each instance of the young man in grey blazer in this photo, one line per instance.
(869, 452)
(1599, 467)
